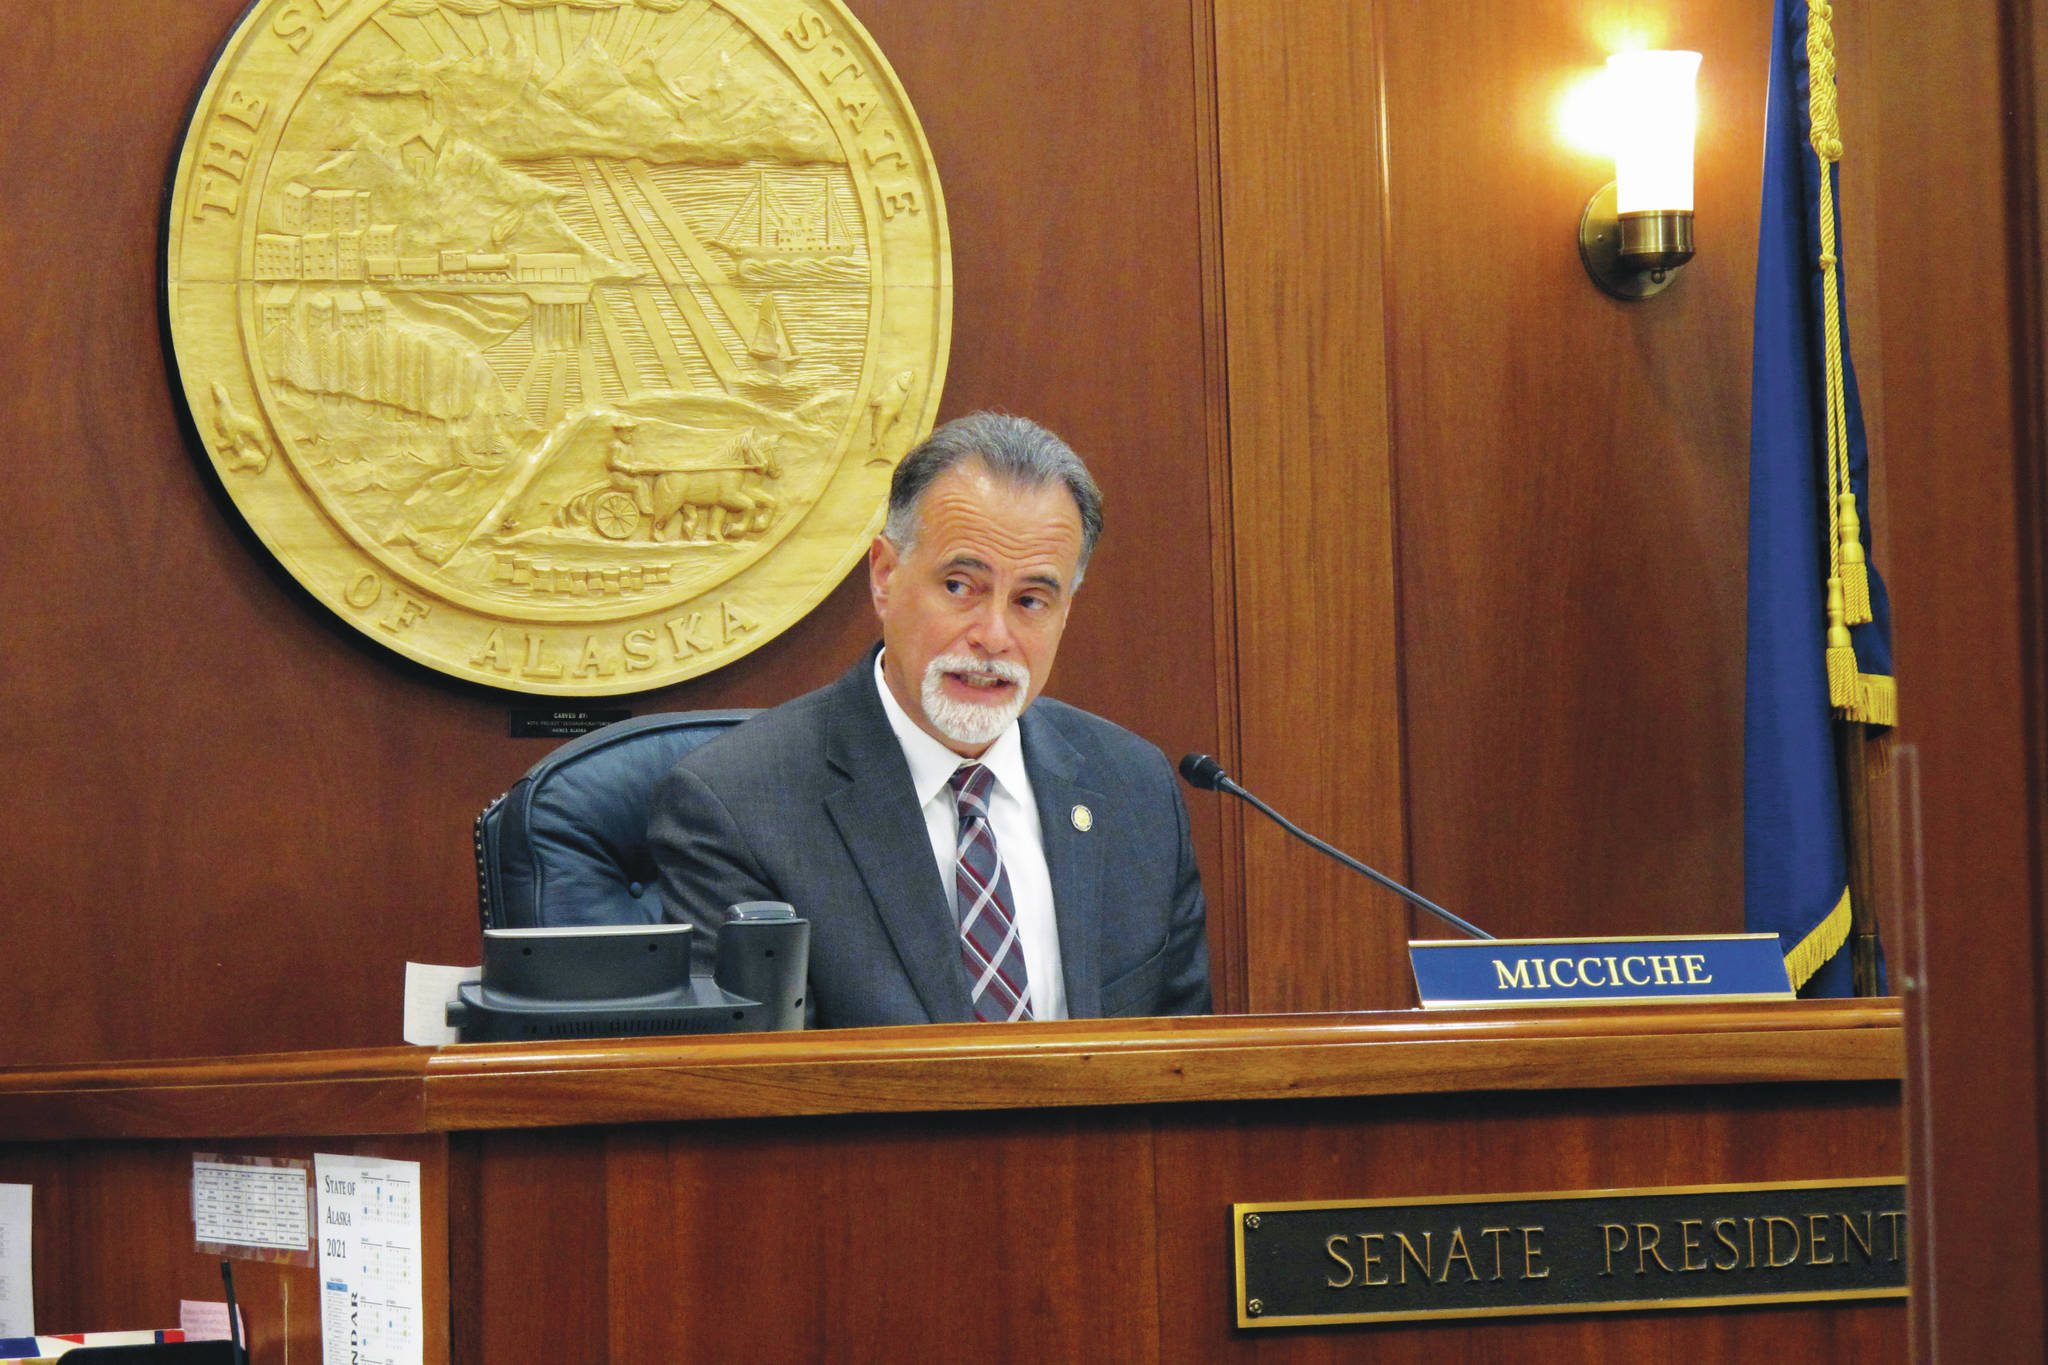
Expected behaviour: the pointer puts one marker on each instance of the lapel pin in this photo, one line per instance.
(1084, 819)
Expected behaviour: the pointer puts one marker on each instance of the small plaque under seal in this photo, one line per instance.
(1580, 1251)
(557, 722)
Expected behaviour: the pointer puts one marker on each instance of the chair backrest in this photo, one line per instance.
(568, 843)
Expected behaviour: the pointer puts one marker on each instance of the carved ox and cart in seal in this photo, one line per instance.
(712, 487)
(613, 478)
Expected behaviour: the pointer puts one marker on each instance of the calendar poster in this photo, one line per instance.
(371, 1280)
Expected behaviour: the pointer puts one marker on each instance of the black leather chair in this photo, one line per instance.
(568, 843)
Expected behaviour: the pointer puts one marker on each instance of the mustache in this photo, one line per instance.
(1003, 669)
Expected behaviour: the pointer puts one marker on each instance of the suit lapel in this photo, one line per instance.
(1073, 856)
(877, 816)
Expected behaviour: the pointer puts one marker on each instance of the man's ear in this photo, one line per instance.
(882, 561)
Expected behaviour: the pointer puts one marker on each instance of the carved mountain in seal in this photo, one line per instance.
(738, 111)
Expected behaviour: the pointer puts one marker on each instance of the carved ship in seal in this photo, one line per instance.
(763, 228)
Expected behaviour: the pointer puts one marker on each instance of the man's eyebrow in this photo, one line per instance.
(966, 561)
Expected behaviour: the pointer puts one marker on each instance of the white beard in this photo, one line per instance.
(967, 722)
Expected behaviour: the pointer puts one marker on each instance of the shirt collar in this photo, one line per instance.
(932, 764)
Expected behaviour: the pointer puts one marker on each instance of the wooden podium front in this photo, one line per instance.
(1036, 1192)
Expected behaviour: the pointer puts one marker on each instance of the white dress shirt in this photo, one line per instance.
(1013, 812)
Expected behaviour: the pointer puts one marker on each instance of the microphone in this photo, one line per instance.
(238, 1352)
(1200, 770)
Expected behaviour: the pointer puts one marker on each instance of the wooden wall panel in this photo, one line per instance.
(231, 822)
(972, 1237)
(1319, 728)
(1572, 478)
(1958, 183)
(1487, 578)
(565, 1222)
(1558, 477)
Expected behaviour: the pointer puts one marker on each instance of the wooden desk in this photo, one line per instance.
(1043, 1192)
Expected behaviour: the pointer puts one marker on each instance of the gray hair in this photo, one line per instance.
(1014, 449)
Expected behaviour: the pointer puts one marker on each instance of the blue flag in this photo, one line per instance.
(1819, 622)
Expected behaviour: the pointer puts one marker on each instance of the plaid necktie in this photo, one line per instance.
(988, 929)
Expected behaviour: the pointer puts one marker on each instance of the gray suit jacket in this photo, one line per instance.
(811, 803)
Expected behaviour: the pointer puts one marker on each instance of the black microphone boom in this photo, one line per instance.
(1200, 770)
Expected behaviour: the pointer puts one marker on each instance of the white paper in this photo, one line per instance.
(17, 1290)
(204, 1320)
(241, 1204)
(372, 1282)
(428, 989)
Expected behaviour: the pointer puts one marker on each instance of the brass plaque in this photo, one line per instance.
(564, 346)
(1581, 1251)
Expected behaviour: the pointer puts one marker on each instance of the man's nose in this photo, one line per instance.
(989, 629)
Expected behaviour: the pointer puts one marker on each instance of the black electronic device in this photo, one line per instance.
(633, 980)
(162, 1353)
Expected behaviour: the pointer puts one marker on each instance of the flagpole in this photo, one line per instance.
(1852, 766)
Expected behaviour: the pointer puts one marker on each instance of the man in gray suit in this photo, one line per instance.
(962, 848)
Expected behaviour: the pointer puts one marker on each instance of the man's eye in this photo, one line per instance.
(956, 586)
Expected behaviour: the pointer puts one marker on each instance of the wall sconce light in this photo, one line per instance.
(1637, 228)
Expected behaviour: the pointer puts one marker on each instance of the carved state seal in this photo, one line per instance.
(564, 346)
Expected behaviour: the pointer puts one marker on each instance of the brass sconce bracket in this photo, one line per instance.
(1632, 256)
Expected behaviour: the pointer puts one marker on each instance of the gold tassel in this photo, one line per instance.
(1813, 951)
(1855, 591)
(1841, 678)
(1855, 575)
(1877, 700)
(1841, 653)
